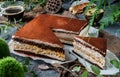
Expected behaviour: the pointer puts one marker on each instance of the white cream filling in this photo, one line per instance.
(66, 42)
(71, 32)
(89, 54)
(66, 31)
(38, 41)
(66, 36)
(37, 50)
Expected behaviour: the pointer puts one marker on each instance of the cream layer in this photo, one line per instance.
(65, 37)
(89, 54)
(65, 31)
(37, 50)
(38, 41)
(66, 41)
(68, 37)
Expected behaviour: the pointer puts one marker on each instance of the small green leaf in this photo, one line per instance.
(27, 61)
(85, 74)
(15, 21)
(33, 73)
(25, 68)
(95, 69)
(102, 26)
(116, 63)
(77, 69)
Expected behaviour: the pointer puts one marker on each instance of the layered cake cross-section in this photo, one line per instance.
(64, 28)
(39, 41)
(92, 49)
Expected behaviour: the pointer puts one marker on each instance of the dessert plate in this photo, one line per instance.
(69, 56)
(109, 68)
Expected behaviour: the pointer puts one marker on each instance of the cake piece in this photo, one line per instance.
(92, 49)
(39, 41)
(78, 9)
(64, 28)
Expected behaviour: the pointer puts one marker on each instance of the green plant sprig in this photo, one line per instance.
(85, 74)
(26, 65)
(116, 63)
(110, 17)
(96, 70)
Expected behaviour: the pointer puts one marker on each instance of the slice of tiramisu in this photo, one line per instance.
(39, 41)
(92, 49)
(64, 28)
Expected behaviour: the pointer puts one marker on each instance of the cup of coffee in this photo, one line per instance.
(13, 12)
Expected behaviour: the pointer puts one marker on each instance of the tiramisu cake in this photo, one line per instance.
(43, 35)
(64, 28)
(39, 41)
(92, 49)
